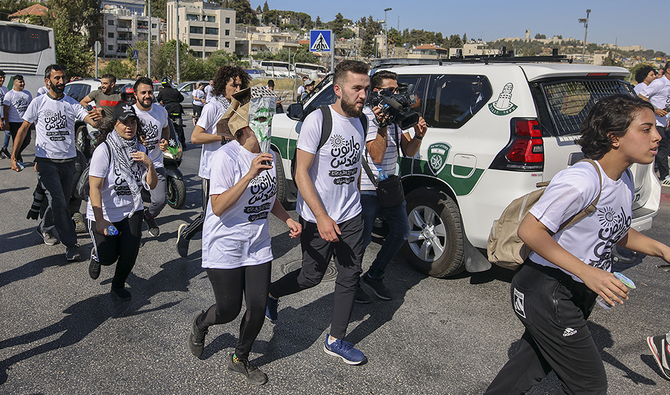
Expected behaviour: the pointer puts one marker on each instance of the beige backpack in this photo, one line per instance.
(504, 247)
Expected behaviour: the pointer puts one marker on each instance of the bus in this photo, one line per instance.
(27, 50)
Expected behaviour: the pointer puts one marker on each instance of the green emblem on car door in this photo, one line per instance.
(437, 157)
(503, 105)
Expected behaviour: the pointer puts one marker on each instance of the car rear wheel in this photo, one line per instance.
(435, 243)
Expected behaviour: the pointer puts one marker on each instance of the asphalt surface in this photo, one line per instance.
(62, 333)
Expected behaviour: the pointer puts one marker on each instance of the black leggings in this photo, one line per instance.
(13, 129)
(229, 285)
(124, 247)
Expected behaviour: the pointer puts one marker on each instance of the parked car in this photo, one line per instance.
(495, 129)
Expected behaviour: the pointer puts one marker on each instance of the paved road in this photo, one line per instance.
(61, 333)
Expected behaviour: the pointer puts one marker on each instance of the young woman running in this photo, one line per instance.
(556, 289)
(119, 168)
(236, 249)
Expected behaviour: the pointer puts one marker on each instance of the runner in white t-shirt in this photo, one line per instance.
(556, 289)
(119, 169)
(54, 117)
(155, 131)
(198, 101)
(658, 94)
(329, 205)
(15, 103)
(208, 91)
(228, 80)
(236, 252)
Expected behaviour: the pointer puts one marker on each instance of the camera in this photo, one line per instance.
(397, 107)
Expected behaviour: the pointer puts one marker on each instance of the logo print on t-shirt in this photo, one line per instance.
(150, 134)
(347, 154)
(57, 121)
(613, 227)
(262, 188)
(120, 185)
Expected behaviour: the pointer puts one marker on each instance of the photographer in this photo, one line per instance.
(382, 154)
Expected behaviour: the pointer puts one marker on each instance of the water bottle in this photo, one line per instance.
(112, 231)
(382, 174)
(627, 281)
(20, 165)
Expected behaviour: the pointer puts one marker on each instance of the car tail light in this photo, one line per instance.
(525, 149)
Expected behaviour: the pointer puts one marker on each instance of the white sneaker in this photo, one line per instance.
(666, 182)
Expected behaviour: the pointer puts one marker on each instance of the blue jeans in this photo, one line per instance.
(396, 218)
(8, 135)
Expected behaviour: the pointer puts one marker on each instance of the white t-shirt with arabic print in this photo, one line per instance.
(18, 102)
(241, 235)
(152, 123)
(54, 125)
(336, 166)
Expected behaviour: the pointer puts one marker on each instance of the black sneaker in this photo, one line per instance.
(661, 352)
(196, 339)
(72, 253)
(94, 269)
(361, 297)
(151, 223)
(48, 238)
(121, 293)
(6, 153)
(242, 366)
(377, 287)
(182, 242)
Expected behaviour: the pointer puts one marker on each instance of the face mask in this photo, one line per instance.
(261, 110)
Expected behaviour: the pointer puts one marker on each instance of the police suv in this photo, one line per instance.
(496, 127)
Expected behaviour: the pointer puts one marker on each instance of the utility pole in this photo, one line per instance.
(386, 27)
(178, 71)
(149, 42)
(585, 21)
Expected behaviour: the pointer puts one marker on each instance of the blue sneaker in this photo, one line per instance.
(271, 308)
(344, 350)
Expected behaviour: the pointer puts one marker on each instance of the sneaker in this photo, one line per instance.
(151, 223)
(666, 182)
(361, 296)
(344, 350)
(72, 253)
(6, 153)
(79, 223)
(48, 238)
(196, 339)
(661, 352)
(121, 293)
(242, 366)
(182, 242)
(3, 155)
(271, 309)
(94, 269)
(377, 287)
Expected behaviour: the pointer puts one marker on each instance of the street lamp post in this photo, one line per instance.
(149, 43)
(386, 28)
(178, 70)
(585, 21)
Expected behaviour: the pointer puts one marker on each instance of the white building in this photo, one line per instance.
(124, 23)
(203, 26)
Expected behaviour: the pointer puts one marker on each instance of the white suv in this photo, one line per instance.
(494, 131)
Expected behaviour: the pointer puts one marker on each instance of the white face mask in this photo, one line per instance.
(261, 110)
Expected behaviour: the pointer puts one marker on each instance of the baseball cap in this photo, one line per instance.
(123, 111)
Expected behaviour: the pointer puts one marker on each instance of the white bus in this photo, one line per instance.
(27, 50)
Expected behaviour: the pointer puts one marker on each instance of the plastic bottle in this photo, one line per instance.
(112, 231)
(20, 165)
(382, 174)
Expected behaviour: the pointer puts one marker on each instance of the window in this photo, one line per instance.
(153, 25)
(110, 35)
(195, 42)
(227, 32)
(74, 91)
(211, 30)
(211, 43)
(110, 22)
(195, 29)
(209, 18)
(454, 99)
(110, 47)
(227, 20)
(198, 54)
(227, 45)
(192, 17)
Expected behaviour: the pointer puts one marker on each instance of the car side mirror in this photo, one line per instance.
(295, 112)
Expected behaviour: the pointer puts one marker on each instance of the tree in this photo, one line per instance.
(243, 11)
(266, 8)
(395, 38)
(120, 69)
(318, 22)
(465, 38)
(539, 36)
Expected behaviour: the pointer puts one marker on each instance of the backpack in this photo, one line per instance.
(504, 247)
(326, 129)
(82, 187)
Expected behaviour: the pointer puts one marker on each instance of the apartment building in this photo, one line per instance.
(124, 23)
(203, 26)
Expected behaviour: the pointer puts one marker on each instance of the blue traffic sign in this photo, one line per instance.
(136, 54)
(320, 40)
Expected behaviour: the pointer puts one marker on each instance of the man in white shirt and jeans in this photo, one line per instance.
(658, 94)
(329, 205)
(54, 116)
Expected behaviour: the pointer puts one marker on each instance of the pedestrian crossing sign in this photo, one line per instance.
(320, 40)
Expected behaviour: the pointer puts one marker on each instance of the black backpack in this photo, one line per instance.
(326, 130)
(82, 186)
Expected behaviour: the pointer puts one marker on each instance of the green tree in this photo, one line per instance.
(244, 13)
(318, 23)
(539, 36)
(395, 37)
(120, 69)
(266, 8)
(158, 9)
(465, 38)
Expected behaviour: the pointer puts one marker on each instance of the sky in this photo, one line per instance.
(613, 21)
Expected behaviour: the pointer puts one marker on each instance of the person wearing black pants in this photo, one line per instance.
(13, 129)
(119, 167)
